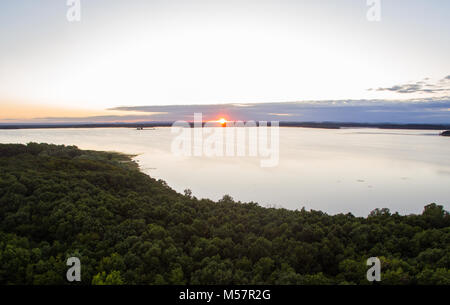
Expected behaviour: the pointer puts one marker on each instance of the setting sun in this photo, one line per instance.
(222, 121)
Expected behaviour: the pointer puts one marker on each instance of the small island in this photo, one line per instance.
(446, 133)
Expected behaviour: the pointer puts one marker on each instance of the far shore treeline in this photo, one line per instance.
(125, 227)
(325, 125)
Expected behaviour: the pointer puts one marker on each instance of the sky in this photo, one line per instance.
(150, 60)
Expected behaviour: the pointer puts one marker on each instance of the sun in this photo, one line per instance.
(222, 121)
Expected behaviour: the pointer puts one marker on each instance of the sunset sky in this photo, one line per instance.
(125, 55)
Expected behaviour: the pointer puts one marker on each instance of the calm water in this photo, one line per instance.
(346, 170)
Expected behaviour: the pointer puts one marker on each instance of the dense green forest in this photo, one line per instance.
(127, 228)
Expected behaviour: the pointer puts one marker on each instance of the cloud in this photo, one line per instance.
(440, 87)
(280, 114)
(82, 120)
(425, 110)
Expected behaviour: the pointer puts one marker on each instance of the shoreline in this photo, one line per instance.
(320, 125)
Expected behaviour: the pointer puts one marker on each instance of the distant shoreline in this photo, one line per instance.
(325, 125)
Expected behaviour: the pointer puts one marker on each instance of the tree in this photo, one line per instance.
(103, 278)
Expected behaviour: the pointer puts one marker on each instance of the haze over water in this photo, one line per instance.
(335, 171)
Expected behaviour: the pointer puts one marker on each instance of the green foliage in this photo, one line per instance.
(112, 278)
(127, 228)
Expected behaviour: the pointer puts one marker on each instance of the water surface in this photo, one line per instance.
(336, 170)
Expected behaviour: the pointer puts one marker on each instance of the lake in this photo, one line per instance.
(332, 170)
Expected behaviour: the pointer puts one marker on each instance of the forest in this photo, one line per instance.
(125, 227)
